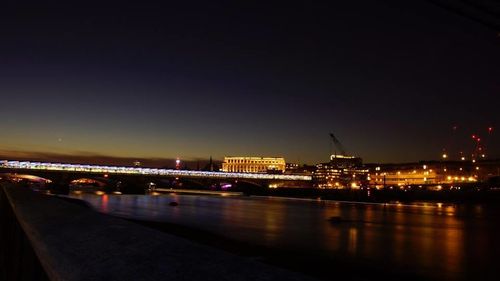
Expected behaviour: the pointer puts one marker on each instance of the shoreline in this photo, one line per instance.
(367, 196)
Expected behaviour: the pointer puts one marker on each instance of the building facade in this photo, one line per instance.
(342, 172)
(233, 164)
(404, 176)
(433, 173)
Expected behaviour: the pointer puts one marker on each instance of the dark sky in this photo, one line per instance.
(389, 78)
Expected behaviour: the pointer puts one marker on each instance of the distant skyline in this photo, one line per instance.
(158, 81)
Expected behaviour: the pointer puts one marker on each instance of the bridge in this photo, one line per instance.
(57, 171)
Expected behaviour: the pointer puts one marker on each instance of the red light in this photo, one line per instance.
(478, 139)
(473, 136)
(490, 129)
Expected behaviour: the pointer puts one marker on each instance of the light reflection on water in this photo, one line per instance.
(434, 240)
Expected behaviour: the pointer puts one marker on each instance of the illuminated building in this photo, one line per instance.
(343, 161)
(404, 177)
(433, 173)
(253, 164)
(341, 172)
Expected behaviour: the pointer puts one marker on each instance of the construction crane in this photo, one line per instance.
(338, 145)
(479, 150)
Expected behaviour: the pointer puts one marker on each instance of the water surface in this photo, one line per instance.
(431, 240)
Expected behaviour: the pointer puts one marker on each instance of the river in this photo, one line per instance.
(430, 241)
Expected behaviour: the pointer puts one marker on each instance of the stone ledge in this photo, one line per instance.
(76, 243)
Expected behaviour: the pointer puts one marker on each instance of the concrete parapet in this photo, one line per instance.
(75, 243)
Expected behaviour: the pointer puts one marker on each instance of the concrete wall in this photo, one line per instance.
(18, 261)
(72, 242)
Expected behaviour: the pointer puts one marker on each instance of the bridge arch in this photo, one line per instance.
(89, 181)
(31, 180)
(242, 182)
(191, 182)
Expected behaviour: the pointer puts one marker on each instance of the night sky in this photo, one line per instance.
(389, 78)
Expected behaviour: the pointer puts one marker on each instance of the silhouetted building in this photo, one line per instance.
(296, 169)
